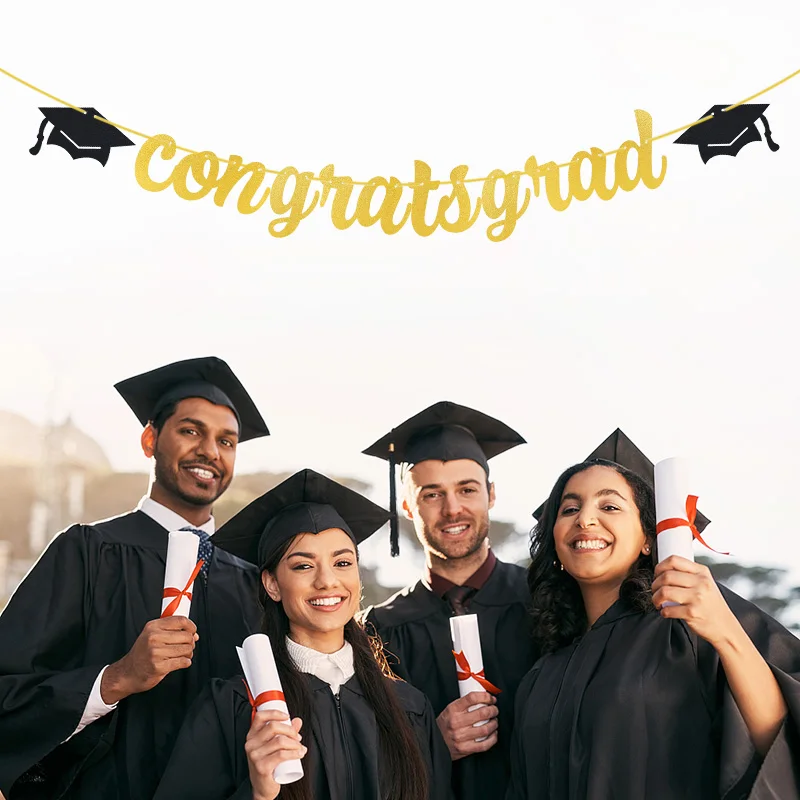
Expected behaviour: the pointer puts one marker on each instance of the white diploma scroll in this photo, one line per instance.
(181, 561)
(672, 485)
(672, 481)
(469, 659)
(261, 673)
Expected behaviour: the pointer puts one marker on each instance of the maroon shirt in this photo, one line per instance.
(439, 585)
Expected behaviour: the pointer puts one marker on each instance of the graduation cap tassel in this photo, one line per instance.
(768, 135)
(39, 139)
(394, 534)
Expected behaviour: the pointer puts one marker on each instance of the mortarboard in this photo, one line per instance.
(728, 132)
(209, 377)
(307, 502)
(81, 135)
(621, 450)
(442, 432)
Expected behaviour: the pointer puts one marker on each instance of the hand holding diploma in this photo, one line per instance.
(274, 750)
(271, 742)
(457, 724)
(165, 644)
(686, 590)
(476, 706)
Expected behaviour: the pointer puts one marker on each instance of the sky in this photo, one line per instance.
(670, 313)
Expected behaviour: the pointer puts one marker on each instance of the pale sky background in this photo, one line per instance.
(669, 313)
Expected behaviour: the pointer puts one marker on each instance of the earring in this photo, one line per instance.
(556, 564)
(647, 549)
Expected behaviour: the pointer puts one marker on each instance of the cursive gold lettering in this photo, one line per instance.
(233, 174)
(421, 188)
(196, 164)
(459, 195)
(283, 226)
(168, 147)
(644, 151)
(393, 193)
(499, 231)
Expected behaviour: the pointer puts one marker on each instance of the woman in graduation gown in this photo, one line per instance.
(361, 733)
(655, 683)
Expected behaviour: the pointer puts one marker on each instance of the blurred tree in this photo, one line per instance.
(765, 587)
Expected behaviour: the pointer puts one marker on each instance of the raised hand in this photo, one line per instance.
(702, 605)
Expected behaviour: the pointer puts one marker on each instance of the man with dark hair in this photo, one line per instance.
(94, 684)
(447, 494)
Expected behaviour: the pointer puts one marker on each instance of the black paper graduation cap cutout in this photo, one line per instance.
(621, 450)
(728, 132)
(307, 502)
(443, 432)
(208, 377)
(81, 135)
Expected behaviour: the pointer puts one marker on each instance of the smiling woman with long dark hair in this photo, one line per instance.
(361, 733)
(656, 683)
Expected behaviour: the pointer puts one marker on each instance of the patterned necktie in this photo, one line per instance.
(204, 551)
(458, 597)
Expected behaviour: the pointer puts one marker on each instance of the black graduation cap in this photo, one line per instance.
(728, 132)
(209, 377)
(307, 502)
(442, 432)
(621, 450)
(81, 135)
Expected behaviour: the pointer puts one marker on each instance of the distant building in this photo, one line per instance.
(52, 477)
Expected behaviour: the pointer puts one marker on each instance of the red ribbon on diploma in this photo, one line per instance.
(264, 697)
(677, 522)
(464, 672)
(170, 592)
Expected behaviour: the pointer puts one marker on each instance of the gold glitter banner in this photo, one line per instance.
(381, 201)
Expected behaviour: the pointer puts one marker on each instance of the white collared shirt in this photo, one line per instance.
(170, 521)
(333, 668)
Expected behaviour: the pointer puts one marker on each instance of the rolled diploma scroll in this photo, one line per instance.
(261, 673)
(182, 550)
(467, 640)
(672, 482)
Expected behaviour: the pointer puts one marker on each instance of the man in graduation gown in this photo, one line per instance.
(93, 684)
(444, 452)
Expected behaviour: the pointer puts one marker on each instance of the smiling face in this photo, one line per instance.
(598, 532)
(317, 581)
(449, 502)
(194, 453)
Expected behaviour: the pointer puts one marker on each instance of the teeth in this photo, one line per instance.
(590, 544)
(326, 601)
(202, 473)
(456, 529)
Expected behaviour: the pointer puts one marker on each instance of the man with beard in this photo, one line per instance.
(444, 452)
(94, 684)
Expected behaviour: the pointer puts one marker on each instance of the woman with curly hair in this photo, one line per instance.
(361, 733)
(655, 683)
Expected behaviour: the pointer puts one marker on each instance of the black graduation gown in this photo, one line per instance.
(414, 625)
(81, 607)
(342, 763)
(639, 708)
